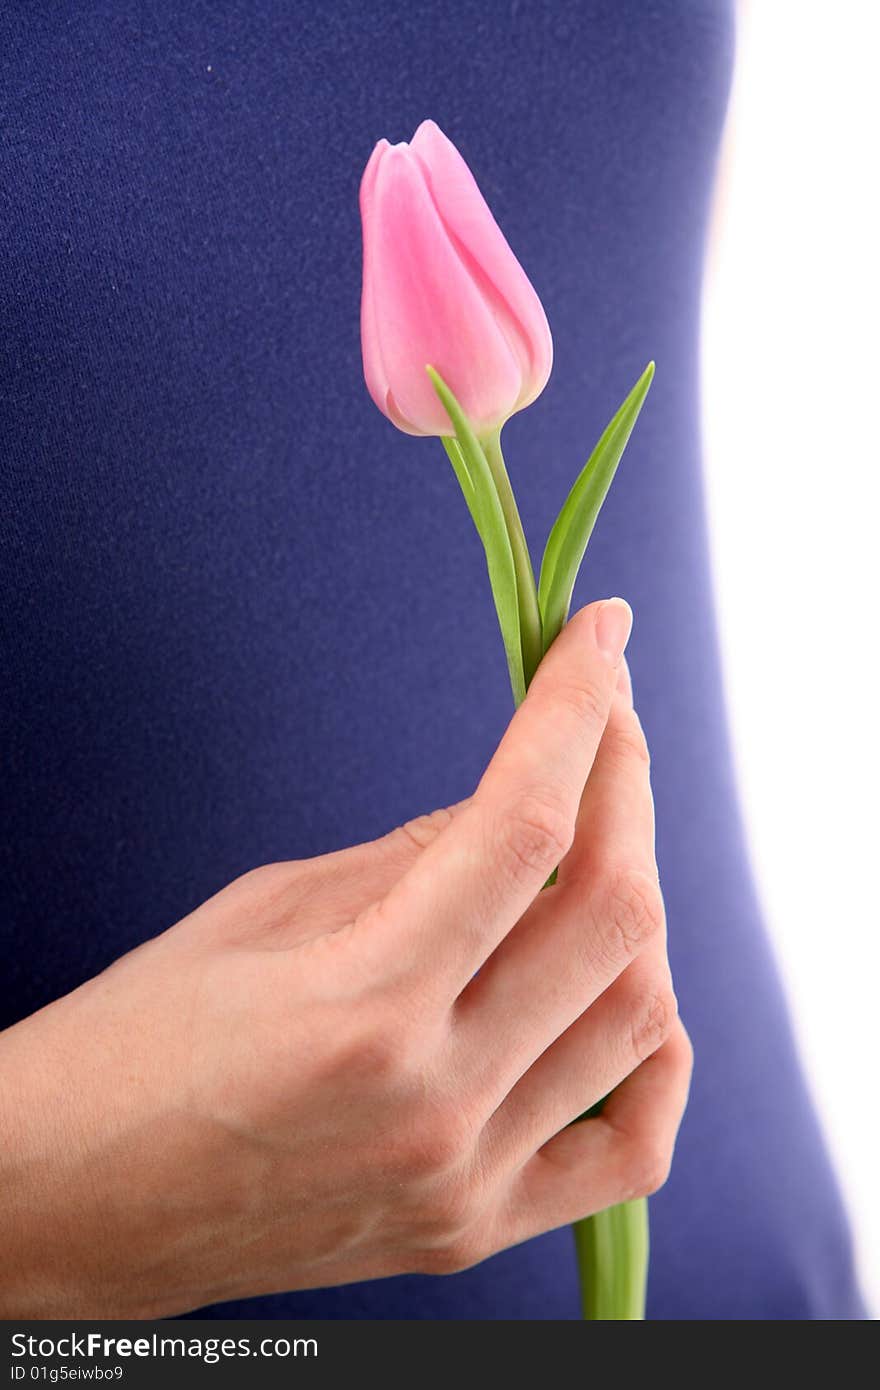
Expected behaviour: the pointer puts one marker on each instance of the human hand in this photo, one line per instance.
(367, 1063)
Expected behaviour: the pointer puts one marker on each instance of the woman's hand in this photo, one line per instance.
(306, 1081)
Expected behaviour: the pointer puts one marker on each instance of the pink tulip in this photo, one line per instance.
(442, 287)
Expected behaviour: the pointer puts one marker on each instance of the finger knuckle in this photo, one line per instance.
(686, 1061)
(449, 1213)
(262, 876)
(268, 884)
(538, 833)
(628, 743)
(648, 1168)
(586, 700)
(654, 1019)
(421, 831)
(371, 1056)
(445, 1192)
(436, 1145)
(461, 1251)
(634, 909)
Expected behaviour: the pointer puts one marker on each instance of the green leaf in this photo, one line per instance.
(526, 588)
(456, 458)
(571, 531)
(475, 479)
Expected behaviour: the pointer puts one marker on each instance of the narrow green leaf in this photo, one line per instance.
(571, 531)
(456, 458)
(485, 508)
(526, 589)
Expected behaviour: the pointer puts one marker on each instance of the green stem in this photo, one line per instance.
(612, 1245)
(526, 589)
(612, 1253)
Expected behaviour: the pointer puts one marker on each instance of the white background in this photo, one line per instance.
(791, 377)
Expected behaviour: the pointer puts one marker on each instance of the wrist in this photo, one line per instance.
(40, 1152)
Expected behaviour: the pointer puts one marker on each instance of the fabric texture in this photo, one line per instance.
(243, 619)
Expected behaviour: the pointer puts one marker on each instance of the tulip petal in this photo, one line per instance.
(431, 309)
(487, 256)
(374, 371)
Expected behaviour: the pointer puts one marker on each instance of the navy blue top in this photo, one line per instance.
(243, 619)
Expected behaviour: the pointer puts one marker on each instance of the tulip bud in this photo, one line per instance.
(442, 287)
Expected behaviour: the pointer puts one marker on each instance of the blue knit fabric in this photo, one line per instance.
(243, 619)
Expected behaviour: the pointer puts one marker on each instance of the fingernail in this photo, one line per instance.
(613, 626)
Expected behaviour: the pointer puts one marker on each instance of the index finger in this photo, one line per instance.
(462, 896)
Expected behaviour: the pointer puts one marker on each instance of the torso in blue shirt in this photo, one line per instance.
(244, 619)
